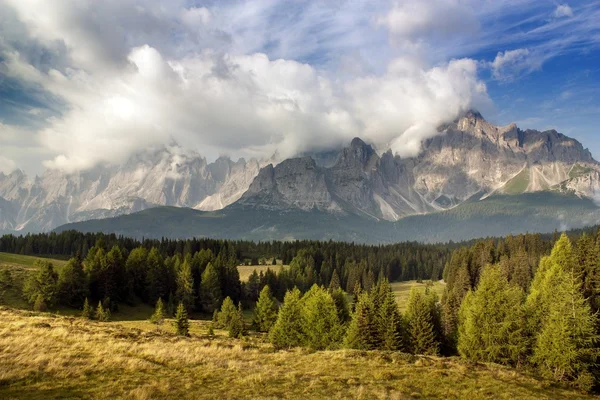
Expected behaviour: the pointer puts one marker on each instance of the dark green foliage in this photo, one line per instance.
(265, 311)
(492, 321)
(72, 284)
(363, 331)
(421, 315)
(43, 283)
(181, 323)
(210, 289)
(391, 324)
(288, 330)
(342, 305)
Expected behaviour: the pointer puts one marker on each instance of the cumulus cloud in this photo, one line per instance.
(128, 87)
(563, 10)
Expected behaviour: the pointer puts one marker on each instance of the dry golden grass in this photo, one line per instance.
(246, 270)
(44, 357)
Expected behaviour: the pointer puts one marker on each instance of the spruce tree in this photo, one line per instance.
(492, 320)
(390, 324)
(334, 284)
(159, 313)
(87, 312)
(421, 323)
(363, 331)
(265, 311)
(342, 305)
(210, 289)
(72, 284)
(288, 329)
(181, 323)
(322, 328)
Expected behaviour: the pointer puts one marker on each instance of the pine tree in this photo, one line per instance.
(210, 289)
(265, 312)
(226, 315)
(492, 320)
(181, 323)
(421, 323)
(237, 326)
(87, 312)
(185, 286)
(322, 328)
(101, 314)
(159, 314)
(288, 329)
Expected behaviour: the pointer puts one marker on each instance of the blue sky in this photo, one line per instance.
(84, 82)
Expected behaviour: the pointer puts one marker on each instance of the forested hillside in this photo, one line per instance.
(526, 301)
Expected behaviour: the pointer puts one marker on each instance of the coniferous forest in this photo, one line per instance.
(526, 301)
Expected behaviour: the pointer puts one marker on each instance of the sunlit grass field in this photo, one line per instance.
(43, 356)
(27, 261)
(246, 270)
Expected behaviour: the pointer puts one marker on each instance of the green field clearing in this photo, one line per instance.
(27, 261)
(402, 290)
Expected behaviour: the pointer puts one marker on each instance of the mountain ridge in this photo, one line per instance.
(470, 157)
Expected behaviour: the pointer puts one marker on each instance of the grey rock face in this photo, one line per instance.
(162, 177)
(471, 159)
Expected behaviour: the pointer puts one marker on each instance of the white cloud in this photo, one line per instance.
(413, 21)
(563, 10)
(247, 105)
(511, 64)
(7, 165)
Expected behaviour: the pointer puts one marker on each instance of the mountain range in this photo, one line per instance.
(471, 172)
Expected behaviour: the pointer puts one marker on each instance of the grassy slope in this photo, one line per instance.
(26, 261)
(46, 357)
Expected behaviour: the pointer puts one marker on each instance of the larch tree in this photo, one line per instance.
(288, 330)
(322, 328)
(492, 320)
(185, 286)
(265, 311)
